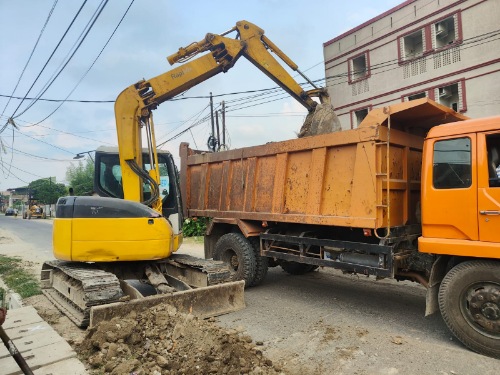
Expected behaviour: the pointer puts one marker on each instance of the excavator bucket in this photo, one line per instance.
(202, 302)
(320, 121)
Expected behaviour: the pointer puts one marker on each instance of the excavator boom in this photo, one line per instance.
(110, 251)
(134, 105)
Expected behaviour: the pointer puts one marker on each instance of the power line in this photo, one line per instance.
(86, 31)
(38, 156)
(59, 100)
(90, 67)
(31, 55)
(48, 60)
(469, 43)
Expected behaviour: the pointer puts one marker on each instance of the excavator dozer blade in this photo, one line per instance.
(202, 302)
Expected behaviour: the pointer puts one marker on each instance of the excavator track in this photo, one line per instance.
(86, 293)
(215, 271)
(75, 287)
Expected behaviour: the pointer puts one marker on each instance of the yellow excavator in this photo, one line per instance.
(112, 253)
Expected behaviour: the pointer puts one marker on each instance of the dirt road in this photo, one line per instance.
(327, 323)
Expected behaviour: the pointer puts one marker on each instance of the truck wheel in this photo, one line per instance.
(261, 263)
(469, 300)
(294, 268)
(237, 252)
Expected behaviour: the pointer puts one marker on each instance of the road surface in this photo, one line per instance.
(322, 322)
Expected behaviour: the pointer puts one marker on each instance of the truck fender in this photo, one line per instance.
(438, 272)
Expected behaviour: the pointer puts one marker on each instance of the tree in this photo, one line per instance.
(46, 191)
(81, 177)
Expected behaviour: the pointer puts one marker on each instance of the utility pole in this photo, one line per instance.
(223, 124)
(217, 143)
(212, 113)
(211, 139)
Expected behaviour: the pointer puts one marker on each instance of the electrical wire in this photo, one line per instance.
(31, 54)
(90, 67)
(48, 60)
(89, 27)
(469, 43)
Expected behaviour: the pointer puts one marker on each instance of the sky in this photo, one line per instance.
(47, 134)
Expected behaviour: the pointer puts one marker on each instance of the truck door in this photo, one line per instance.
(489, 187)
(449, 196)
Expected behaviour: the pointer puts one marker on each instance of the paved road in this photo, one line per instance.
(328, 323)
(35, 232)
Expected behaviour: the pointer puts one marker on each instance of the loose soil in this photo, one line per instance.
(164, 341)
(160, 340)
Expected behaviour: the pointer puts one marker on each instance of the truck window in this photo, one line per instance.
(493, 150)
(452, 164)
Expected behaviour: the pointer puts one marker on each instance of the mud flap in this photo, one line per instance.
(201, 302)
(438, 271)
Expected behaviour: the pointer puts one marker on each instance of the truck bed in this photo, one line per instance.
(338, 179)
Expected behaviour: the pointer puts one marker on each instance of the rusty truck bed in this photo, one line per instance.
(337, 179)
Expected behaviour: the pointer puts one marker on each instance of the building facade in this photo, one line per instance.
(446, 50)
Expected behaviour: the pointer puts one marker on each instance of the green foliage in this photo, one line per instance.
(46, 191)
(16, 278)
(196, 226)
(81, 177)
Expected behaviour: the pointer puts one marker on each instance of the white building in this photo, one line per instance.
(446, 50)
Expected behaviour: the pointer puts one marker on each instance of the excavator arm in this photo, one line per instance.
(133, 107)
(112, 246)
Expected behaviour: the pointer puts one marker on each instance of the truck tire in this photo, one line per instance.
(294, 268)
(469, 300)
(261, 263)
(238, 253)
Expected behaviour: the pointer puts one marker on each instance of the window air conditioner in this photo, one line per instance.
(441, 30)
(444, 92)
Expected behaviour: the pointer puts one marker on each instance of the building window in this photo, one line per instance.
(359, 67)
(436, 36)
(450, 96)
(358, 115)
(452, 164)
(444, 32)
(413, 45)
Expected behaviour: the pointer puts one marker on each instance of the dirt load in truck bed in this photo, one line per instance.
(162, 340)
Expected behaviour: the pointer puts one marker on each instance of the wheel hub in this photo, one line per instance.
(234, 262)
(483, 307)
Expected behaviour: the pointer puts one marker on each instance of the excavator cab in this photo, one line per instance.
(108, 181)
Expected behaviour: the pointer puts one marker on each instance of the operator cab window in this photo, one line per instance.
(493, 150)
(110, 176)
(452, 164)
(109, 180)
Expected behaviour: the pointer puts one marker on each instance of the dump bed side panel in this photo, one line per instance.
(335, 179)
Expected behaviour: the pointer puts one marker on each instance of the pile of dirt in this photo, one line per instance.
(162, 340)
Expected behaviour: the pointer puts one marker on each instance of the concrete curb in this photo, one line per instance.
(13, 300)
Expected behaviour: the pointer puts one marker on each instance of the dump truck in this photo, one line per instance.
(115, 252)
(411, 194)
